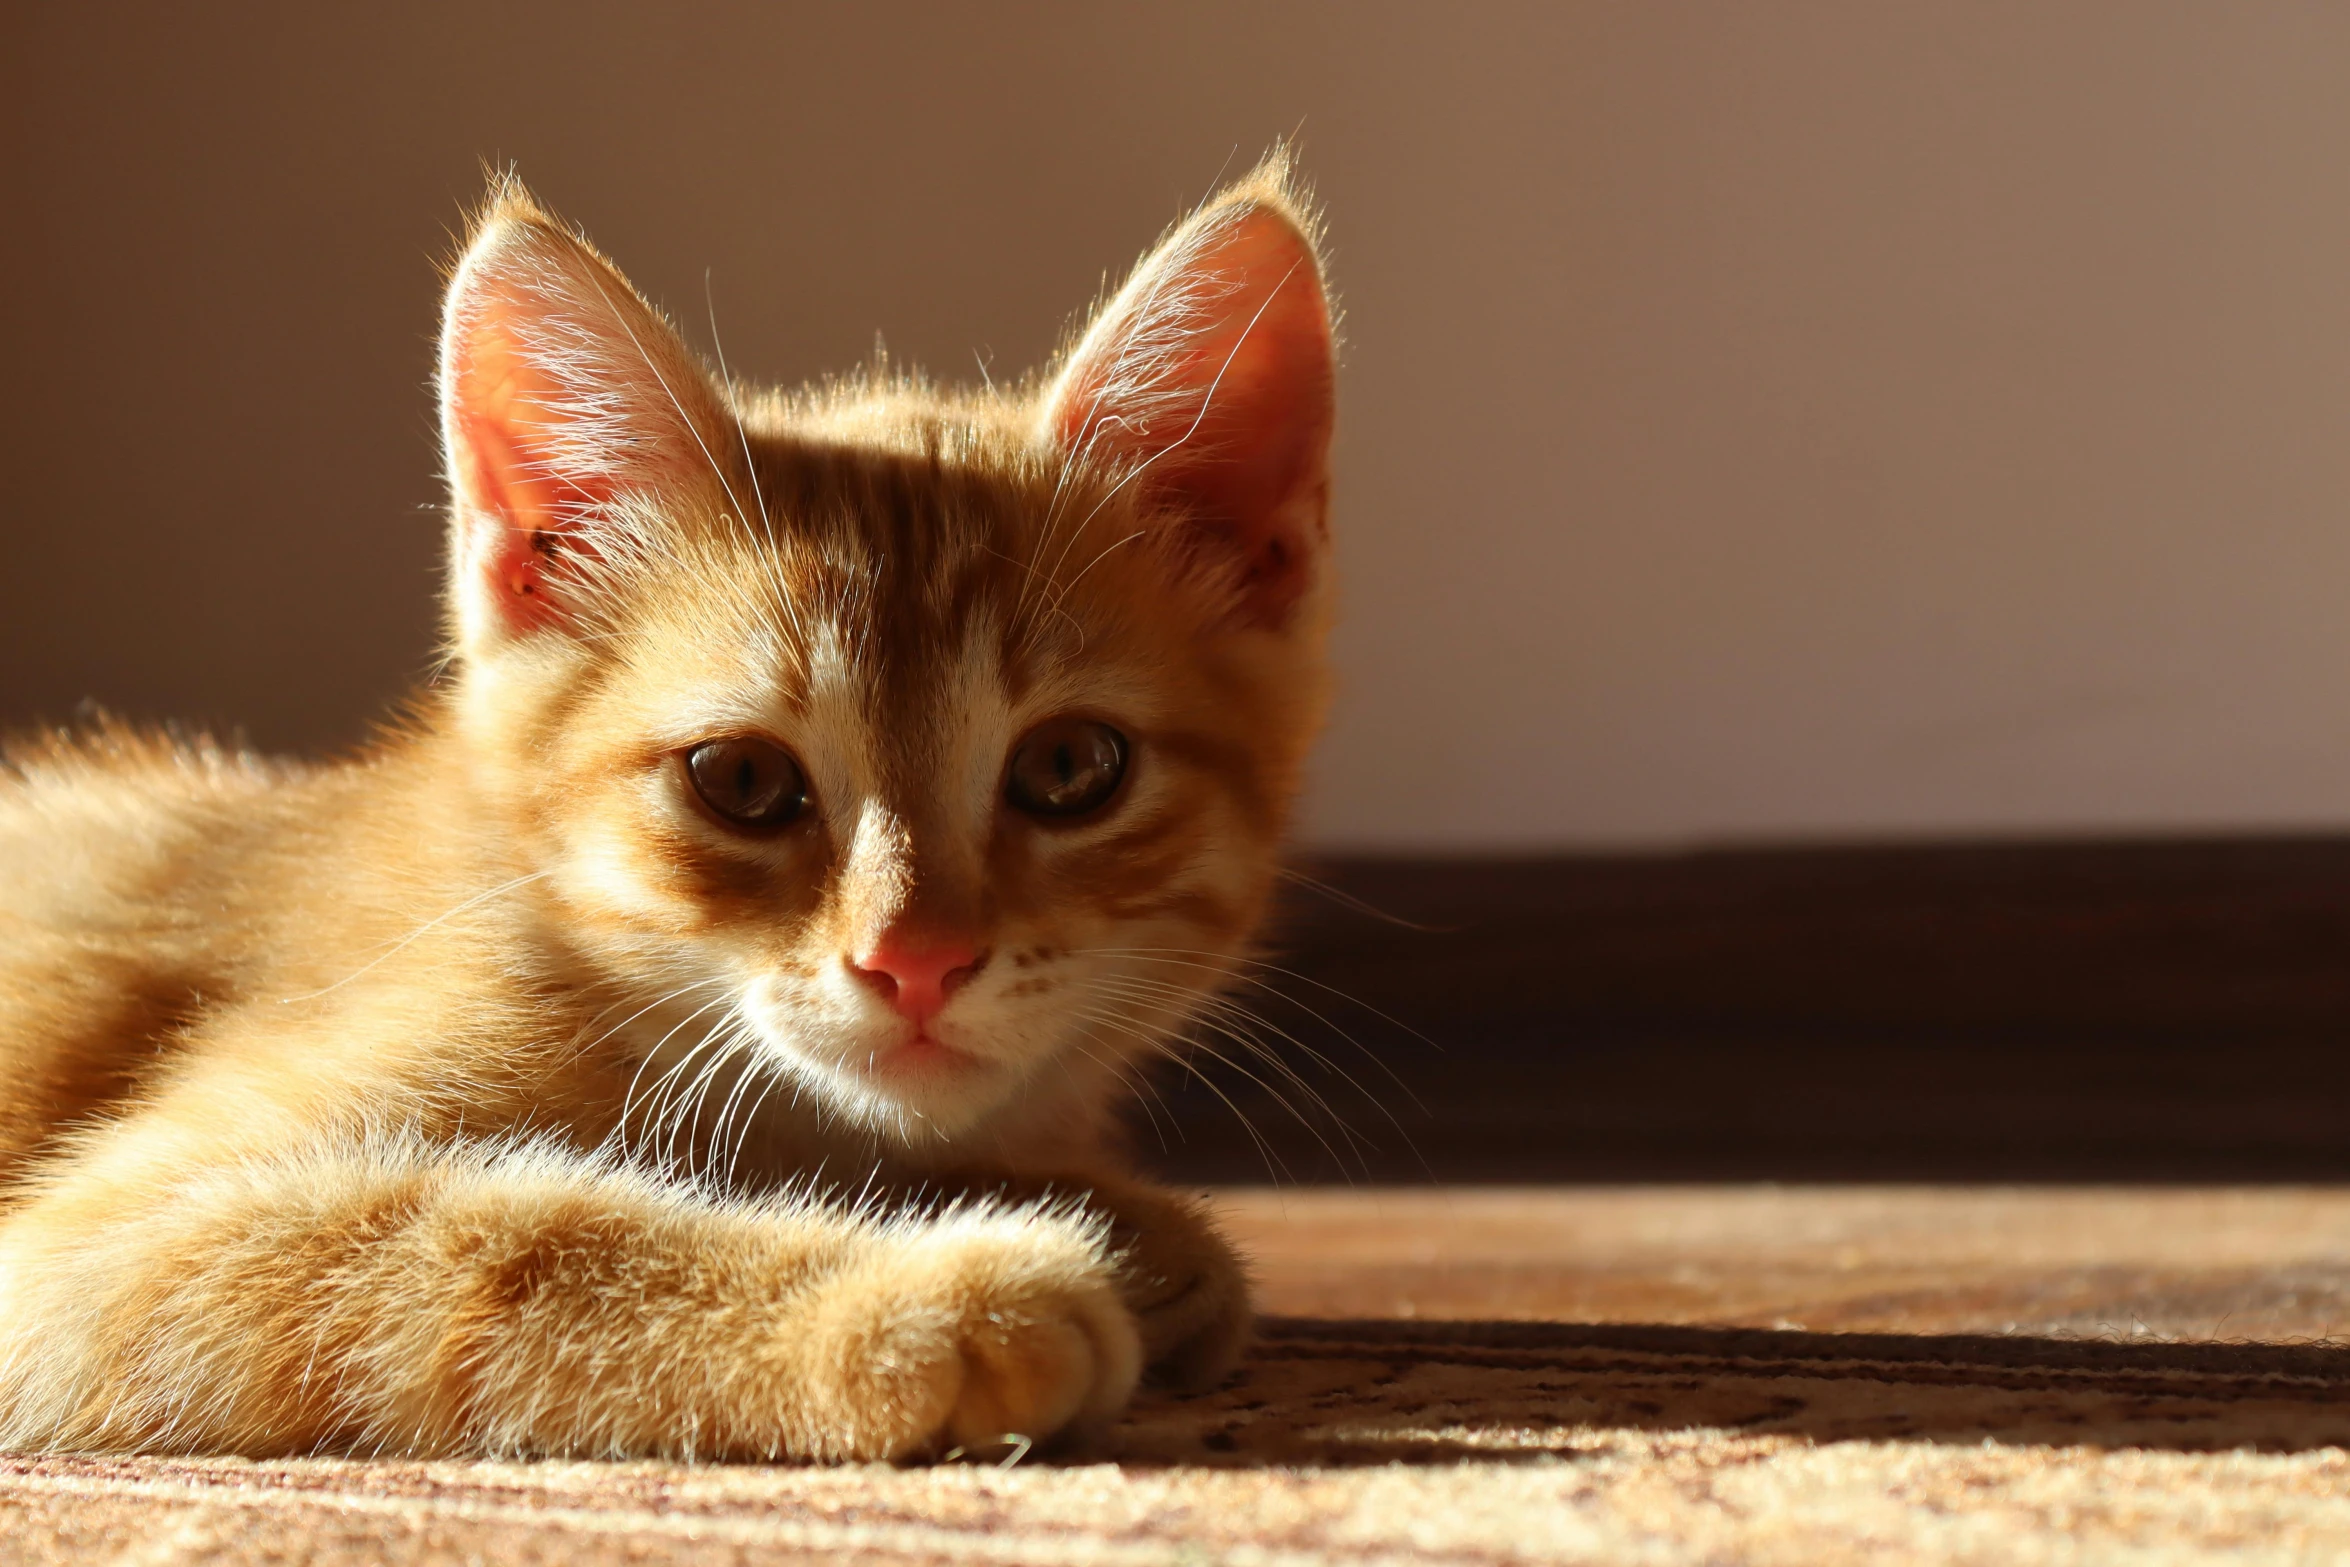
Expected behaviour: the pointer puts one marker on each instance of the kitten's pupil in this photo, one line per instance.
(750, 782)
(1066, 767)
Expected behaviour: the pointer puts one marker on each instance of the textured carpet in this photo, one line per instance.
(1693, 1376)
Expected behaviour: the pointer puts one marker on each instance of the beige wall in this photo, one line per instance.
(1772, 420)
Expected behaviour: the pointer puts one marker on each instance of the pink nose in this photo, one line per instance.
(916, 977)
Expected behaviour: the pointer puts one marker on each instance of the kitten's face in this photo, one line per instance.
(861, 711)
(937, 750)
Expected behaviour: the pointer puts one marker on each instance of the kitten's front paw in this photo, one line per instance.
(964, 1333)
(1185, 1285)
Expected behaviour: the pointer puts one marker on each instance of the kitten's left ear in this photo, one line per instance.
(1211, 372)
(563, 394)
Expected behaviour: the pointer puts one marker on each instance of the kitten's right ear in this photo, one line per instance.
(562, 394)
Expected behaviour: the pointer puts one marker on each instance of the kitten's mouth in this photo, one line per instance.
(922, 1055)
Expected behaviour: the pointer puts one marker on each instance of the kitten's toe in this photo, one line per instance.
(1039, 1366)
(984, 1330)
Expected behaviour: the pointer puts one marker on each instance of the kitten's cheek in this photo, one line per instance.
(807, 1028)
(771, 1004)
(607, 874)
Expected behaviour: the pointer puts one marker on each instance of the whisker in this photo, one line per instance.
(1290, 1076)
(1190, 955)
(1231, 1009)
(754, 1068)
(687, 1103)
(658, 1094)
(1234, 1021)
(432, 924)
(751, 1117)
(1347, 900)
(656, 1002)
(1232, 1065)
(1275, 1166)
(1139, 1084)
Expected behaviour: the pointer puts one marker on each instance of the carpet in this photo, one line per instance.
(1660, 1376)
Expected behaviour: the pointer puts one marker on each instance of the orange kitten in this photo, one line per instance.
(698, 1028)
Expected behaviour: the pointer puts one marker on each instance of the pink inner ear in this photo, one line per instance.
(529, 511)
(1235, 420)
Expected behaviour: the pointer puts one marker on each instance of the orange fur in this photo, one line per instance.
(486, 1093)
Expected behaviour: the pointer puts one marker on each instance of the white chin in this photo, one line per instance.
(888, 1086)
(913, 1103)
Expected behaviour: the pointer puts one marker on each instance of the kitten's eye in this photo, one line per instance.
(1066, 767)
(752, 783)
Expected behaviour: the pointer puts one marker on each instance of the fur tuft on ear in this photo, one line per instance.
(563, 395)
(1210, 374)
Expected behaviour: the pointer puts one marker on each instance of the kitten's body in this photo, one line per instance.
(487, 1093)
